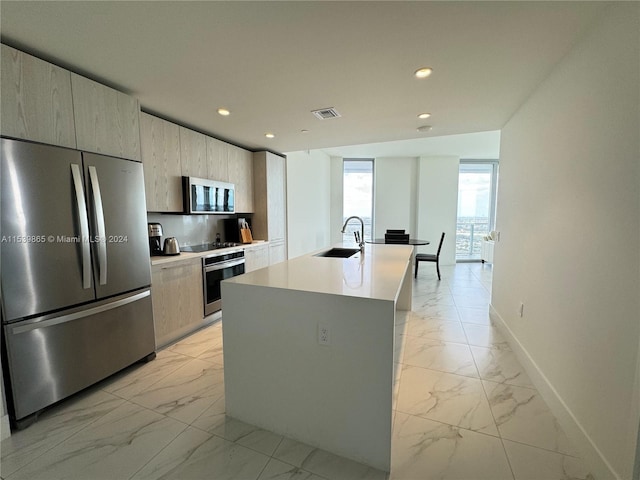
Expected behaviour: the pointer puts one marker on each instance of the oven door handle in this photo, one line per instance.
(222, 266)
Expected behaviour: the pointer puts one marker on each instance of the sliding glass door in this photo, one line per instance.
(476, 206)
(357, 196)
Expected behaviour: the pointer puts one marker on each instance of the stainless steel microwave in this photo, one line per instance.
(207, 196)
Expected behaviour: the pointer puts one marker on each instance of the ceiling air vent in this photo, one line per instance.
(325, 113)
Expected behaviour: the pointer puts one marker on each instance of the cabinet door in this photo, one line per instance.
(241, 174)
(256, 257)
(269, 197)
(277, 252)
(193, 153)
(36, 100)
(178, 304)
(107, 121)
(160, 142)
(217, 160)
(276, 203)
(259, 220)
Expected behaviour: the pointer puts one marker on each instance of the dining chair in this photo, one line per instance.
(429, 257)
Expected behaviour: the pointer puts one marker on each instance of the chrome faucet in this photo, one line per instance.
(360, 238)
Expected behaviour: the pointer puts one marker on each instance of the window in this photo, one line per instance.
(476, 206)
(357, 196)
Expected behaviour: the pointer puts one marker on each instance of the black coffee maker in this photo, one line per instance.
(155, 233)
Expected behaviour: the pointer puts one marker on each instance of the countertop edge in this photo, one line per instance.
(188, 256)
(290, 274)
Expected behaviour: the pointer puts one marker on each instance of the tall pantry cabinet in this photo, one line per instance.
(270, 205)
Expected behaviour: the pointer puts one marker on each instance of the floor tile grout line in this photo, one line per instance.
(159, 379)
(556, 452)
(186, 426)
(448, 424)
(124, 401)
(440, 371)
(66, 438)
(504, 449)
(451, 425)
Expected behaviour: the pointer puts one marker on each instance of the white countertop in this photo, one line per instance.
(187, 256)
(377, 275)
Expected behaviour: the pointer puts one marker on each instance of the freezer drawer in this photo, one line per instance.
(53, 357)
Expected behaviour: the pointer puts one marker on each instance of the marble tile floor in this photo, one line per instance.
(464, 409)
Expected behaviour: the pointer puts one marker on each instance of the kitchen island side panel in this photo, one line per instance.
(337, 397)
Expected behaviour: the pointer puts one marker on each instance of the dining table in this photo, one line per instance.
(412, 241)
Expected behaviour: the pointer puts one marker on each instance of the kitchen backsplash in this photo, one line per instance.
(190, 229)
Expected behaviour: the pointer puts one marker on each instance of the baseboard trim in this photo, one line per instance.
(591, 454)
(5, 428)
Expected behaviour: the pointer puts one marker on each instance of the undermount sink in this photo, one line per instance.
(339, 253)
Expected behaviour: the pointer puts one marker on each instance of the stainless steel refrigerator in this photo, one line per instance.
(75, 273)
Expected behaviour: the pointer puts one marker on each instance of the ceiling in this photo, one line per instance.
(271, 63)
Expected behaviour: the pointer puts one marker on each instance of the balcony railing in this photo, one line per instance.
(469, 239)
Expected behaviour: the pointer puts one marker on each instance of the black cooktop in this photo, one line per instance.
(208, 246)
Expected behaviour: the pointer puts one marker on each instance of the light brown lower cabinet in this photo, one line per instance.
(176, 291)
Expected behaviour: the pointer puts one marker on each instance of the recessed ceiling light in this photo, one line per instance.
(269, 135)
(424, 115)
(224, 112)
(423, 72)
(424, 128)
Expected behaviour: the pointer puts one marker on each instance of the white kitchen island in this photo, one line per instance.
(281, 377)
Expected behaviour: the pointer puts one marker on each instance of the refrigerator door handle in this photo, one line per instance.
(102, 239)
(84, 226)
(23, 327)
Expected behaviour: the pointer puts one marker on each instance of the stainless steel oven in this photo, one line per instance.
(215, 268)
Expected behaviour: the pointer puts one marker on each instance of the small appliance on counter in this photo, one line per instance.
(155, 233)
(171, 246)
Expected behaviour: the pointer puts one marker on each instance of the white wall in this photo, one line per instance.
(308, 206)
(419, 195)
(569, 217)
(394, 191)
(337, 215)
(437, 207)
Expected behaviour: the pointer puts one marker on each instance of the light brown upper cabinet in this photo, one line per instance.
(228, 163)
(269, 219)
(240, 167)
(107, 121)
(193, 153)
(36, 100)
(217, 160)
(160, 143)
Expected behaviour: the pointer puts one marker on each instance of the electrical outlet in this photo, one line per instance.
(324, 335)
(521, 310)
